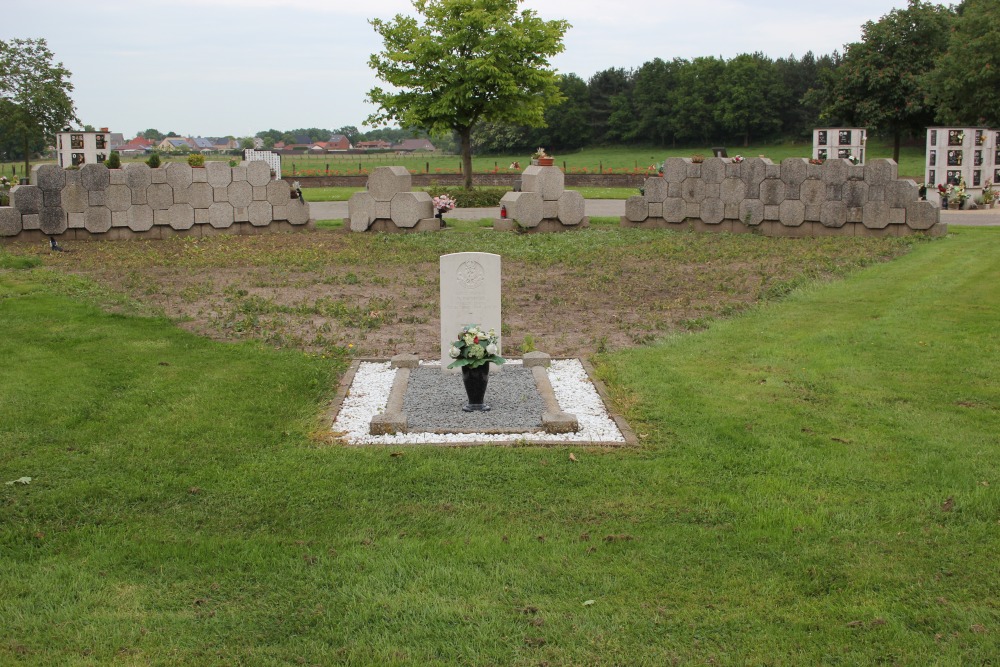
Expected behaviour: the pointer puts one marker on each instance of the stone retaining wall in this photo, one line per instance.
(794, 198)
(95, 202)
(486, 180)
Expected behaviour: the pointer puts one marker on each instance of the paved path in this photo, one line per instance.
(605, 208)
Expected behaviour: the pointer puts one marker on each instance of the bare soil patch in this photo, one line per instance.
(373, 295)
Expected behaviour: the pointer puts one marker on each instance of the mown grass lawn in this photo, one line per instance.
(817, 484)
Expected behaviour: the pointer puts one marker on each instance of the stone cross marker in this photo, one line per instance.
(470, 294)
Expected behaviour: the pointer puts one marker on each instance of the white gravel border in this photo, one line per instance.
(369, 393)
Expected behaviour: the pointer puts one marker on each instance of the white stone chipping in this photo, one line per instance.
(369, 393)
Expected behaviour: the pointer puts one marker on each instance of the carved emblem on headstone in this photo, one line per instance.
(471, 274)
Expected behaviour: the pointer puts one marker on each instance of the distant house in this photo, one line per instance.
(412, 145)
(174, 144)
(374, 145)
(136, 146)
(117, 140)
(338, 142)
(201, 144)
(223, 143)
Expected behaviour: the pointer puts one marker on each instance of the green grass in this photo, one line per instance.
(789, 503)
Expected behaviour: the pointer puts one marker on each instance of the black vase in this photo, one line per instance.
(475, 380)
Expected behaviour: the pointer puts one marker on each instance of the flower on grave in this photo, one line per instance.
(738, 158)
(443, 203)
(474, 347)
(539, 154)
(852, 159)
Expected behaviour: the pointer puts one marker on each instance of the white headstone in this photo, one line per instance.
(470, 294)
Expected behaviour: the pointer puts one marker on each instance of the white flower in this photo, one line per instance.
(491, 349)
(469, 338)
(454, 352)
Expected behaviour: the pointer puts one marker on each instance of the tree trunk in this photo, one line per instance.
(466, 134)
(895, 145)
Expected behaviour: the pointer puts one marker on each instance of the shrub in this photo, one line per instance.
(114, 161)
(154, 160)
(196, 160)
(475, 198)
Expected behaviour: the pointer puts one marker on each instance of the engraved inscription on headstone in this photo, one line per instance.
(470, 294)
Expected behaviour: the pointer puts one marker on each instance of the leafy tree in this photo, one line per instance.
(655, 83)
(695, 98)
(880, 82)
(470, 61)
(566, 122)
(152, 134)
(351, 132)
(171, 135)
(34, 93)
(750, 95)
(604, 87)
(965, 82)
(246, 142)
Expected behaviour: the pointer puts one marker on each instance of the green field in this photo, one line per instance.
(594, 160)
(817, 483)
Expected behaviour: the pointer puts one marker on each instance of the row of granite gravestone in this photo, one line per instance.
(794, 198)
(389, 205)
(97, 202)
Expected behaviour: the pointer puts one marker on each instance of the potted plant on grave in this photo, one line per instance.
(542, 159)
(989, 195)
(944, 191)
(473, 351)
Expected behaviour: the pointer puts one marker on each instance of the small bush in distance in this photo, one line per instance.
(114, 161)
(196, 160)
(154, 160)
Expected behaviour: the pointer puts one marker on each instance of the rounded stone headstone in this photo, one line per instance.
(692, 190)
(140, 218)
(220, 174)
(258, 173)
(118, 197)
(526, 208)
(675, 169)
(361, 211)
(10, 221)
(772, 191)
(27, 199)
(94, 177)
(855, 194)
(794, 170)
(791, 213)
(159, 196)
(900, 193)
(74, 199)
(921, 215)
(549, 182)
(880, 171)
(138, 175)
(298, 212)
(260, 213)
(656, 188)
(812, 192)
(220, 215)
(751, 211)
(385, 182)
(571, 207)
(875, 215)
(240, 193)
(408, 208)
(179, 175)
(279, 193)
(674, 209)
(97, 219)
(834, 172)
(637, 208)
(50, 177)
(199, 195)
(52, 220)
(713, 211)
(732, 191)
(833, 214)
(713, 170)
(181, 216)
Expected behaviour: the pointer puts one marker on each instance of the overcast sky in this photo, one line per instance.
(218, 67)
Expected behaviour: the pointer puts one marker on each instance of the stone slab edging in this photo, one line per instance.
(399, 389)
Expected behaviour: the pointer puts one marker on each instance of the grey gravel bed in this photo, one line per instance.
(434, 399)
